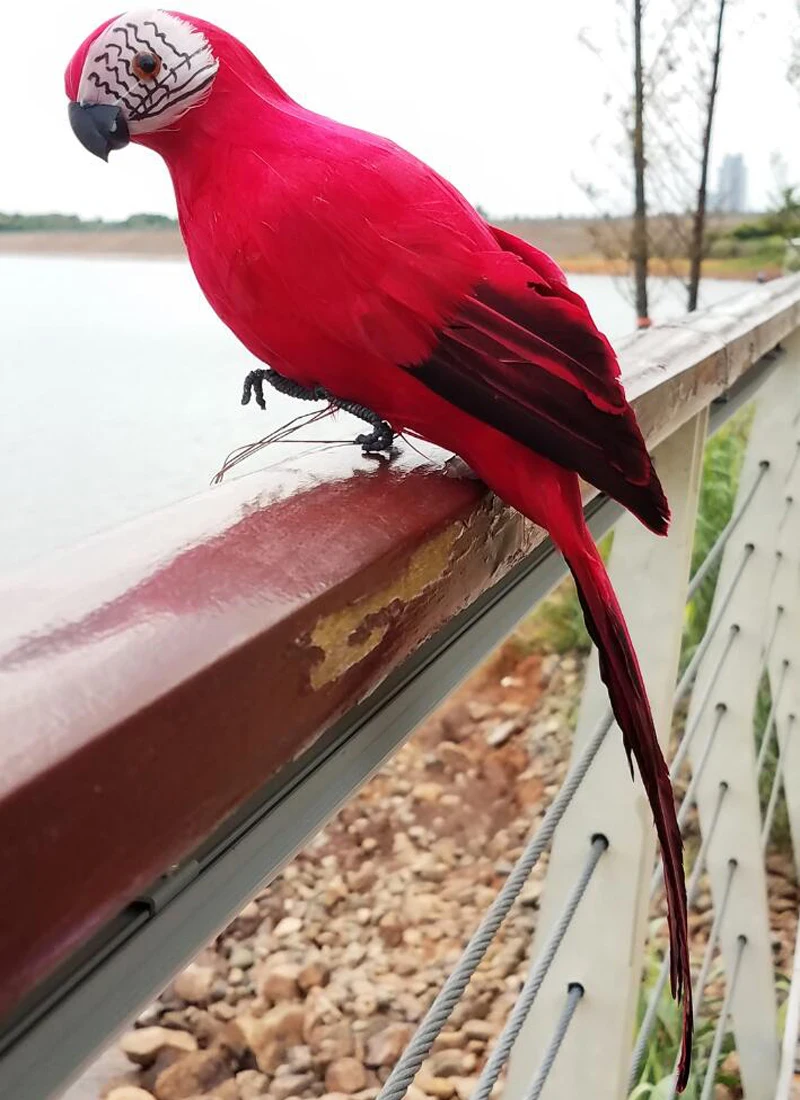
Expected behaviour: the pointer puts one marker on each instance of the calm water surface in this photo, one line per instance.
(119, 391)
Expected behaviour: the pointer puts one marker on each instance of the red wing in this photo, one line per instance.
(524, 355)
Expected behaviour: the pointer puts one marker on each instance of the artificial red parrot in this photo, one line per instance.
(363, 278)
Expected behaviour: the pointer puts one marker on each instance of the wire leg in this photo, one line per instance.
(379, 439)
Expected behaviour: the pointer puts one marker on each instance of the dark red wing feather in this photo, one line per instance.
(524, 355)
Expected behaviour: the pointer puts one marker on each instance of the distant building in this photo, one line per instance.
(731, 196)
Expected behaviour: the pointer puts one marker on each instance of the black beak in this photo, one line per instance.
(99, 127)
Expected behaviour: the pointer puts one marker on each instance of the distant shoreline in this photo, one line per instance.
(158, 244)
(166, 244)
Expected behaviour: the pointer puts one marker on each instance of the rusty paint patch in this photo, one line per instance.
(347, 636)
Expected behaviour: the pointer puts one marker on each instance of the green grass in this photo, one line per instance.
(722, 465)
(655, 1072)
(761, 252)
(557, 626)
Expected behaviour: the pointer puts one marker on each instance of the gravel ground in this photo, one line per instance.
(314, 990)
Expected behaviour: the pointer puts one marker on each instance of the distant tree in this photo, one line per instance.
(698, 244)
(639, 244)
(149, 221)
(664, 126)
(37, 223)
(794, 60)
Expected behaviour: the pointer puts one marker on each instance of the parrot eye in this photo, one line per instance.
(146, 65)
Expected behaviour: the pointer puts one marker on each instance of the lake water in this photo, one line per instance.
(120, 389)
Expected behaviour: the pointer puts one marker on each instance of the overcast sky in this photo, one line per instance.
(498, 95)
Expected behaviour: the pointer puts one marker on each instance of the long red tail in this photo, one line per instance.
(619, 669)
(550, 496)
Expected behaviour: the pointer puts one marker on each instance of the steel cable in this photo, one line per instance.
(574, 993)
(533, 983)
(449, 995)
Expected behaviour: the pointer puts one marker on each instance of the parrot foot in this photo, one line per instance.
(254, 386)
(379, 440)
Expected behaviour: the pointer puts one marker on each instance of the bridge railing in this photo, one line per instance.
(187, 699)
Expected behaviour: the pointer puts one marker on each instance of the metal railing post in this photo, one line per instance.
(732, 759)
(603, 947)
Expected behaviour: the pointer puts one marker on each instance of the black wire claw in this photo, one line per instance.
(379, 439)
(254, 384)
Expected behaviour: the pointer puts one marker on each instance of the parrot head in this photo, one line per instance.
(136, 75)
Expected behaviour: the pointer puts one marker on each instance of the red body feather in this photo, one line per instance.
(342, 261)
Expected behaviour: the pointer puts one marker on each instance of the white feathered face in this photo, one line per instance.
(141, 74)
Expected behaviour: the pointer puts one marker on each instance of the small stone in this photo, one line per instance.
(289, 926)
(300, 1059)
(236, 975)
(195, 984)
(196, 1073)
(391, 927)
(279, 983)
(500, 733)
(453, 755)
(290, 1084)
(218, 990)
(150, 1015)
(129, 1092)
(345, 1075)
(314, 973)
(479, 1029)
(730, 1065)
(241, 957)
(440, 1087)
(426, 792)
(448, 1040)
(201, 1023)
(445, 1063)
(464, 1086)
(330, 1042)
(144, 1045)
(531, 893)
(369, 844)
(283, 1024)
(251, 1084)
(386, 1047)
(248, 920)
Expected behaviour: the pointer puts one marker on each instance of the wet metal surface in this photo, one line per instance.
(153, 678)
